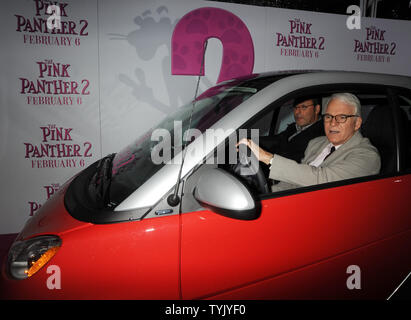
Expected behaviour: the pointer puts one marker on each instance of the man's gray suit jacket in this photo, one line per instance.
(355, 158)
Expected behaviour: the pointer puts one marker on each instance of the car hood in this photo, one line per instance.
(51, 218)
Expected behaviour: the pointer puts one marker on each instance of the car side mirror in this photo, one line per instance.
(224, 194)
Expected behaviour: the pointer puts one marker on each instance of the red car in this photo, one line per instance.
(123, 228)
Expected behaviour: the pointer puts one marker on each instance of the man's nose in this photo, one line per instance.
(333, 121)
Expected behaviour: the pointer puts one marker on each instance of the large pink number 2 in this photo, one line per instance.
(194, 28)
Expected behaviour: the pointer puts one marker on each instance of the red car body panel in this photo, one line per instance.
(328, 279)
(131, 260)
(321, 232)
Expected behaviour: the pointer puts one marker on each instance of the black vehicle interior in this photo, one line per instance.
(379, 129)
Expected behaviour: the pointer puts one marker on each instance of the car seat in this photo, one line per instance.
(379, 129)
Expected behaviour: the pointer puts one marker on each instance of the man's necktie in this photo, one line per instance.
(331, 151)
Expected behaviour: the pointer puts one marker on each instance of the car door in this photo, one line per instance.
(346, 239)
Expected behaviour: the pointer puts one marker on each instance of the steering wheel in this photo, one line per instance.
(248, 168)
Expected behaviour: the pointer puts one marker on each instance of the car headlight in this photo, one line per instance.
(27, 257)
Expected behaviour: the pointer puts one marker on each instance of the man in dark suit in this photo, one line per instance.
(292, 142)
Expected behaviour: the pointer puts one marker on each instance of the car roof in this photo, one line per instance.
(311, 71)
(335, 75)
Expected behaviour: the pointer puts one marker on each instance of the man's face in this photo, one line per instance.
(339, 133)
(306, 113)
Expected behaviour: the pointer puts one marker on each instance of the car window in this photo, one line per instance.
(368, 102)
(285, 116)
(264, 124)
(377, 125)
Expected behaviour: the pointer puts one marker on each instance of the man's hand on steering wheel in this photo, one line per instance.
(250, 170)
(260, 153)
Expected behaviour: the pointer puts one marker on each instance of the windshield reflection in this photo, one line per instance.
(133, 165)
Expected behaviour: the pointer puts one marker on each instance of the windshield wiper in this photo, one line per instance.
(100, 182)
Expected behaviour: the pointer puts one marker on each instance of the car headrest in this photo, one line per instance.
(379, 129)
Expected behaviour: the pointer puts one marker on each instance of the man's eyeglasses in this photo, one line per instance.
(302, 107)
(340, 118)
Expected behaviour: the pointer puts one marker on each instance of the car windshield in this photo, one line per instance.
(133, 166)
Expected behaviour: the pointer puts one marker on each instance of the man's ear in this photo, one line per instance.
(317, 109)
(358, 122)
